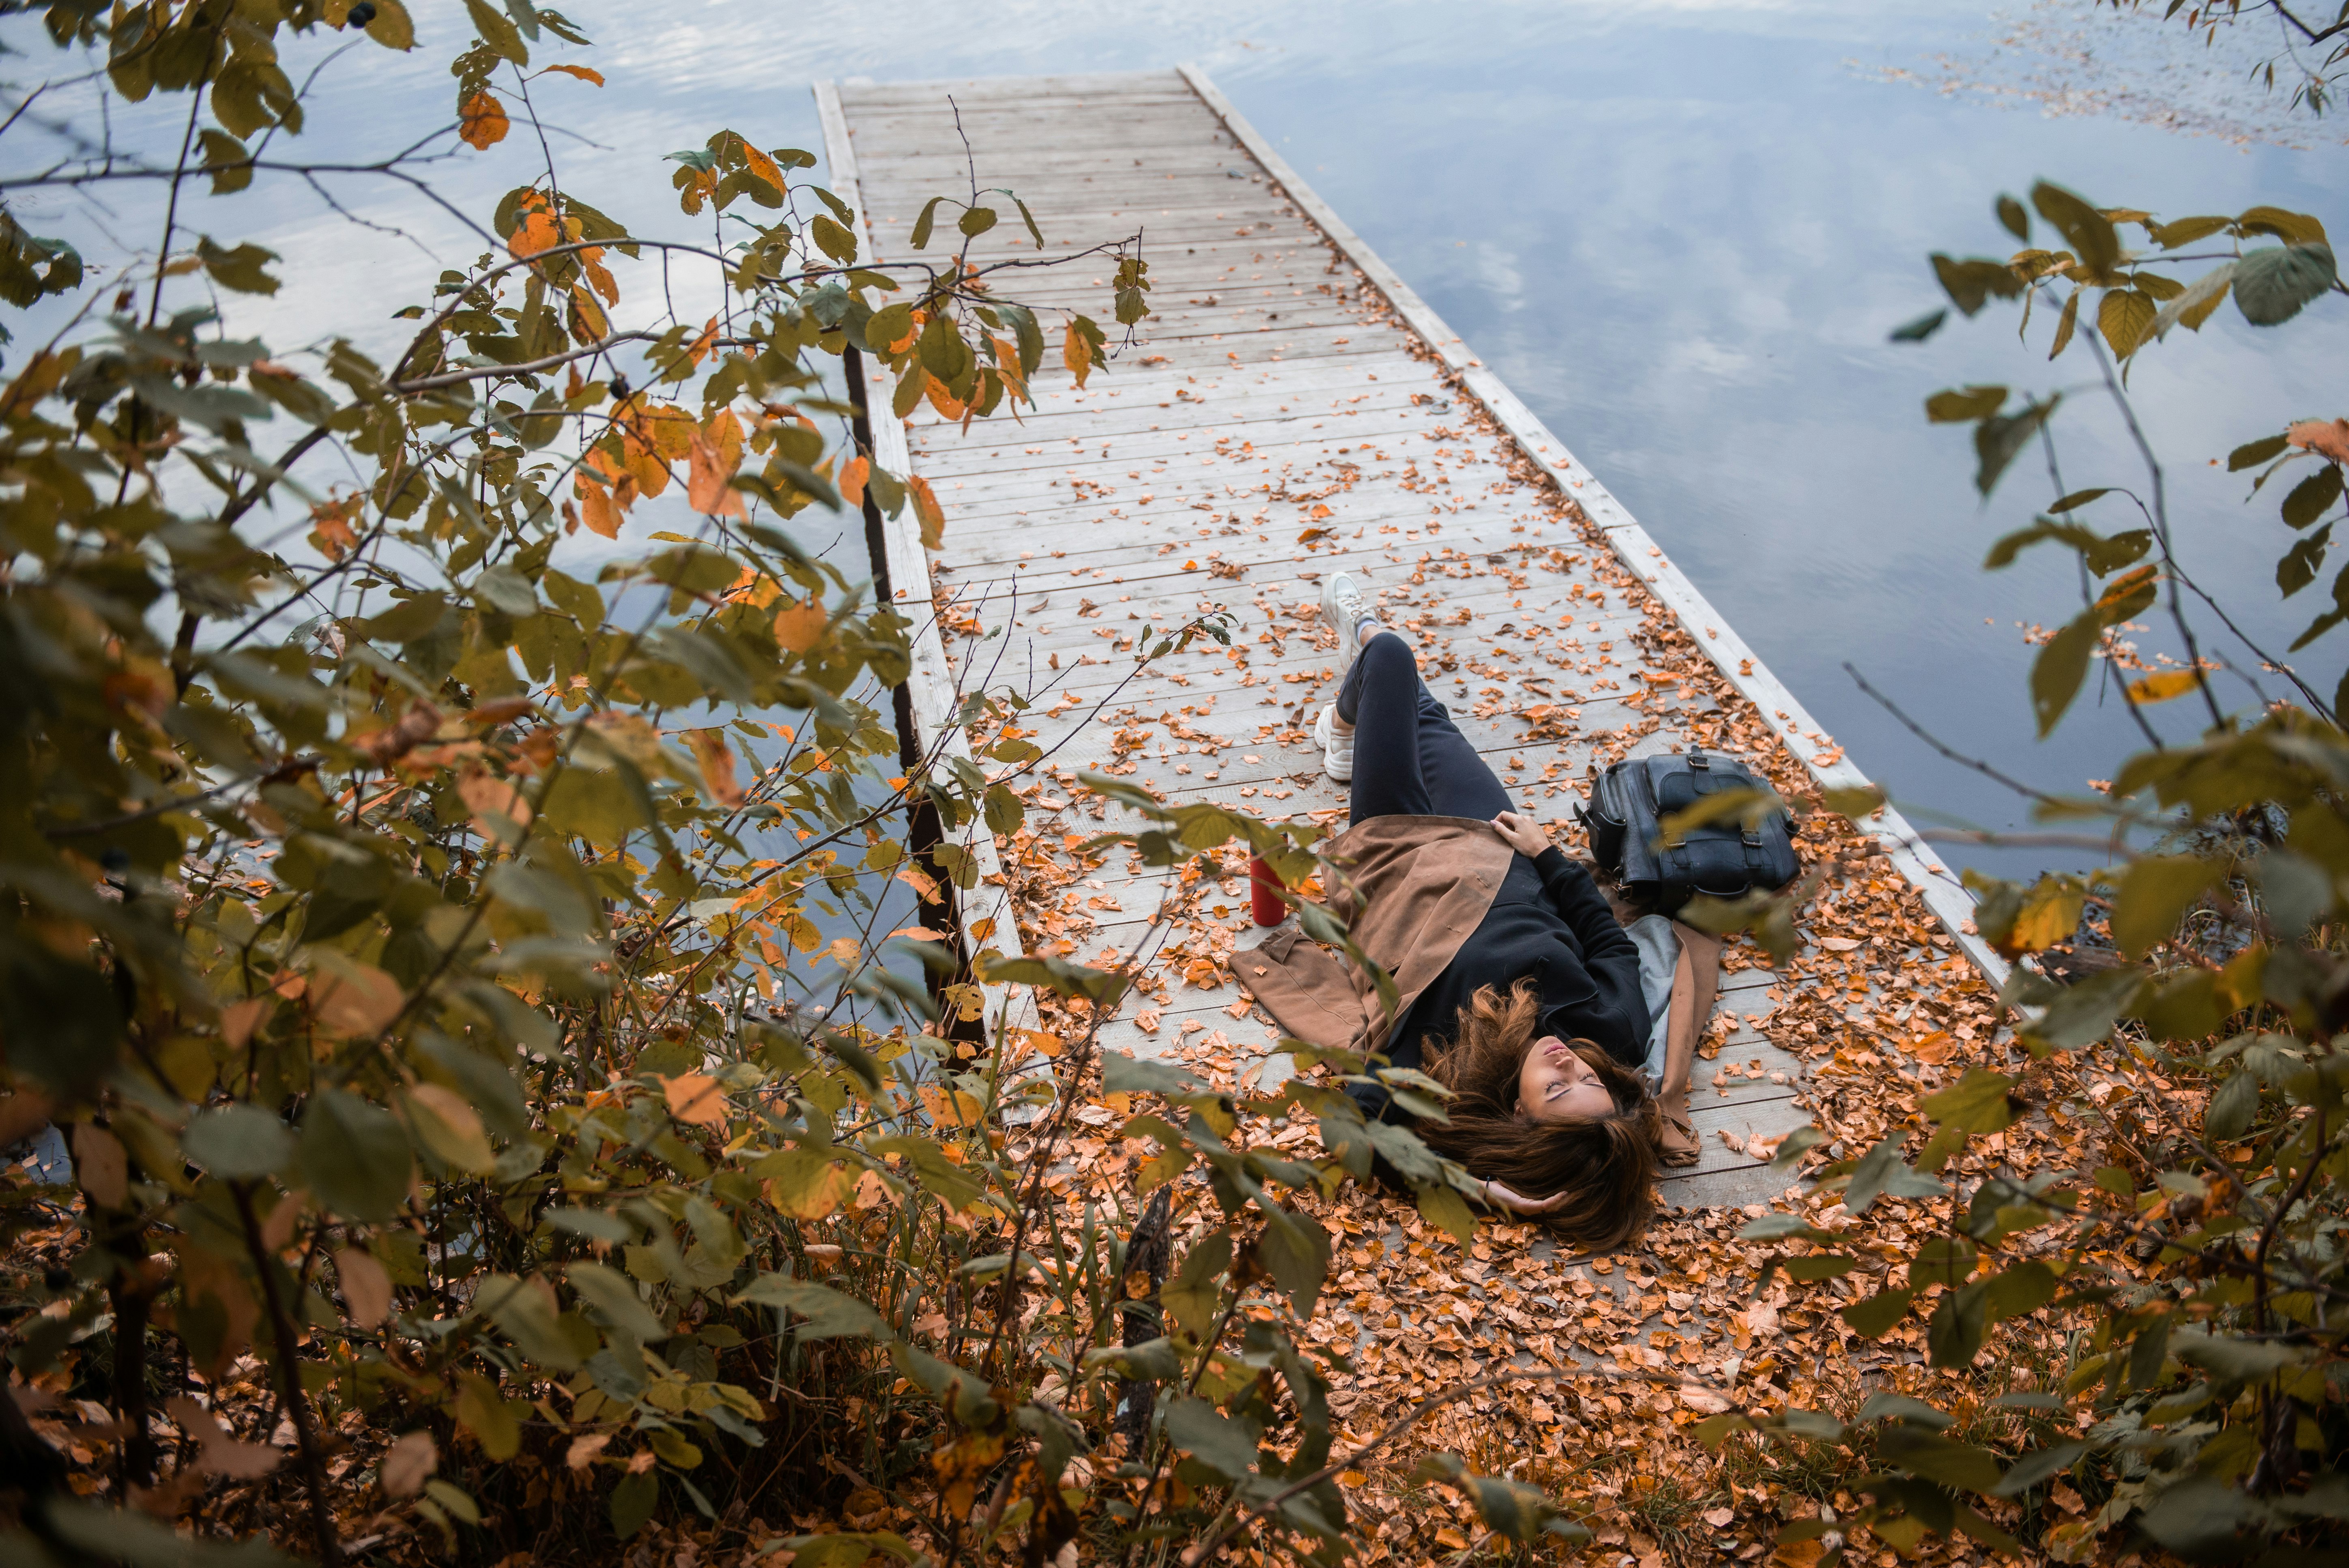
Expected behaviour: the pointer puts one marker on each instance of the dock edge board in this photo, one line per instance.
(986, 916)
(1942, 893)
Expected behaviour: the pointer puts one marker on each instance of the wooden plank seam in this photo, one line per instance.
(1942, 893)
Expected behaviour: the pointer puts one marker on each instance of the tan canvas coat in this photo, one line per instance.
(1413, 889)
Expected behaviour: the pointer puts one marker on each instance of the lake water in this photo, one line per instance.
(1679, 230)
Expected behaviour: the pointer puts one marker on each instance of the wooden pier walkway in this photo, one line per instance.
(1292, 408)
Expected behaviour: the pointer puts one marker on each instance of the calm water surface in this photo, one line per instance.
(1679, 230)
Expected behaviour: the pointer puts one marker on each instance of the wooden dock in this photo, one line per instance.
(1291, 409)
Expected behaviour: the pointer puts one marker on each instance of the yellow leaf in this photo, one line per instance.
(801, 626)
(1077, 354)
(2051, 914)
(483, 121)
(764, 168)
(2161, 686)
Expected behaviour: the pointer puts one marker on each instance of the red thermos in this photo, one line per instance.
(1264, 893)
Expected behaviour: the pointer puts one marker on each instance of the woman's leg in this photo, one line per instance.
(1410, 760)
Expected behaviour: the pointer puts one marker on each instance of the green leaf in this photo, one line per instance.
(2060, 668)
(2126, 318)
(2193, 305)
(614, 1295)
(497, 32)
(2232, 1107)
(1224, 1445)
(1874, 1316)
(975, 221)
(240, 269)
(1295, 1250)
(227, 161)
(2001, 438)
(111, 1535)
(1971, 282)
(1881, 1173)
(1778, 1227)
(1519, 1512)
(1954, 1335)
(2313, 497)
(2298, 567)
(1103, 987)
(2066, 324)
(355, 1156)
(1192, 1294)
(238, 1143)
(1944, 1260)
(1977, 1102)
(485, 1413)
(922, 224)
(2252, 454)
(1919, 330)
(1126, 1074)
(1028, 218)
(2082, 1013)
(2089, 233)
(2017, 1290)
(2155, 892)
(2039, 1466)
(826, 1314)
(1819, 1266)
(525, 1312)
(2273, 282)
(1887, 1405)
(1445, 1209)
(1964, 406)
(633, 1501)
(2011, 213)
(2078, 499)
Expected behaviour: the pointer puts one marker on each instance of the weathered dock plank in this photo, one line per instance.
(1291, 409)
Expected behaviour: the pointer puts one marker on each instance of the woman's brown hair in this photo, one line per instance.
(1606, 1164)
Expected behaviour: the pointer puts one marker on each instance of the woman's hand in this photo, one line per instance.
(1501, 1197)
(1523, 834)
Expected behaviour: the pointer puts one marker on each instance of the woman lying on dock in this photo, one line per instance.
(1521, 990)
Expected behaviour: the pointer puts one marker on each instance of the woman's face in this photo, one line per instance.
(1556, 1085)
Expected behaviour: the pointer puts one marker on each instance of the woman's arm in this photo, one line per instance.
(1604, 941)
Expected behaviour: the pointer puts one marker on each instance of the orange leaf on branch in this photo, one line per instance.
(925, 508)
(800, 628)
(483, 121)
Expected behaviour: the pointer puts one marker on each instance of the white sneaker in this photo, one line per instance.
(1337, 750)
(1344, 611)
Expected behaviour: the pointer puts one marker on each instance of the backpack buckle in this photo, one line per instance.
(1698, 760)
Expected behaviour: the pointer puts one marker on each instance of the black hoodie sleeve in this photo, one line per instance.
(1608, 955)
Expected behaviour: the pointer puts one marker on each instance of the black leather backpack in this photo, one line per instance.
(1722, 859)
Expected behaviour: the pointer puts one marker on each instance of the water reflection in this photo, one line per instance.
(1679, 232)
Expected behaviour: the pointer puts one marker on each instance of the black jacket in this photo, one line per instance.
(1549, 922)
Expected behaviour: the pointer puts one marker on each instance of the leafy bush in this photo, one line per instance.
(2187, 1276)
(466, 973)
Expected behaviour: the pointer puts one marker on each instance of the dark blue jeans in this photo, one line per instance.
(1410, 760)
